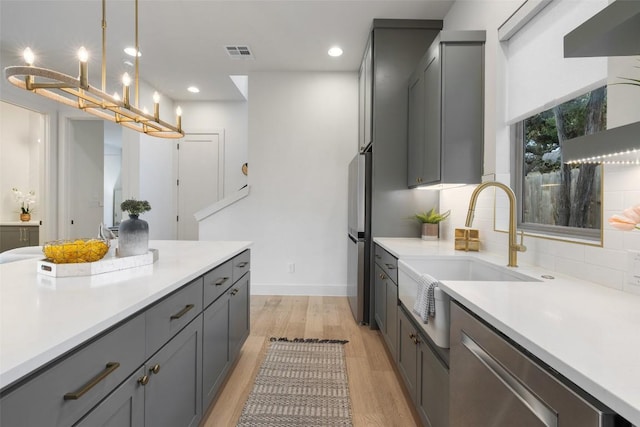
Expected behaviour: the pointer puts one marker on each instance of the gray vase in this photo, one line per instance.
(133, 237)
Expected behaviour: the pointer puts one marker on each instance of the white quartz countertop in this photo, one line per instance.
(43, 317)
(587, 332)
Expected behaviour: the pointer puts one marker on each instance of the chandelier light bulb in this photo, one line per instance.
(179, 118)
(156, 97)
(126, 80)
(179, 111)
(116, 96)
(83, 55)
(28, 56)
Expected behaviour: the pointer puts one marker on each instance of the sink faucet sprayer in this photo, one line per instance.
(514, 247)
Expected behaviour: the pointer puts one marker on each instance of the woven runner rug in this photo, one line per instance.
(301, 382)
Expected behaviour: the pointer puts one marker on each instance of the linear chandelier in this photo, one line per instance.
(76, 92)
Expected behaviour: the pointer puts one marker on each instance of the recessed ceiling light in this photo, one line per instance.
(335, 51)
(193, 89)
(131, 51)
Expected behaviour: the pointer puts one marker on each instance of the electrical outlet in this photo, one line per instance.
(292, 267)
(633, 268)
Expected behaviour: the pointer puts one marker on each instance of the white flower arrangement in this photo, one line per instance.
(25, 200)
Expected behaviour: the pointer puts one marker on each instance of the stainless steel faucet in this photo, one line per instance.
(514, 247)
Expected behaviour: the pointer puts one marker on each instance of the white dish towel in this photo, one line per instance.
(425, 305)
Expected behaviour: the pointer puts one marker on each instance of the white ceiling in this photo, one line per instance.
(182, 41)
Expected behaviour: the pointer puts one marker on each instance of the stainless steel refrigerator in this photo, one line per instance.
(359, 235)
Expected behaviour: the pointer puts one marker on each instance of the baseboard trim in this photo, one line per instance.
(298, 289)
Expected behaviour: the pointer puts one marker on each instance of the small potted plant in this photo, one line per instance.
(25, 200)
(133, 233)
(430, 223)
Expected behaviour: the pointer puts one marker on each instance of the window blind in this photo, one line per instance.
(538, 75)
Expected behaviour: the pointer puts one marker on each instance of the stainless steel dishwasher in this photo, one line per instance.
(494, 384)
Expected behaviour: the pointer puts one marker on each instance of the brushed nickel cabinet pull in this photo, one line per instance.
(182, 312)
(233, 292)
(378, 256)
(221, 280)
(111, 366)
(390, 266)
(155, 369)
(143, 380)
(382, 276)
(242, 264)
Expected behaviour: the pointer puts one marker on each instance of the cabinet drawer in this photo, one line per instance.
(168, 317)
(69, 389)
(241, 264)
(387, 262)
(217, 281)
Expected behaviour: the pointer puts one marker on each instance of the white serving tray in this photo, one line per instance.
(105, 265)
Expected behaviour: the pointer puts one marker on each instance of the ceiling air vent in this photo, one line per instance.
(239, 52)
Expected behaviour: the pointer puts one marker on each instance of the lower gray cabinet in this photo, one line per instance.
(392, 317)
(160, 368)
(380, 299)
(238, 315)
(215, 348)
(425, 375)
(173, 393)
(407, 353)
(13, 236)
(123, 408)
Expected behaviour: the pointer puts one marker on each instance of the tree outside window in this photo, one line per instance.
(556, 197)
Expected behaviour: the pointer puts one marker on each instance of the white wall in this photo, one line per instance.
(230, 117)
(606, 265)
(21, 148)
(302, 135)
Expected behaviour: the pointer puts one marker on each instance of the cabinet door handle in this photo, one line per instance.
(220, 281)
(111, 366)
(233, 292)
(155, 369)
(382, 276)
(182, 312)
(143, 380)
(390, 266)
(378, 256)
(242, 264)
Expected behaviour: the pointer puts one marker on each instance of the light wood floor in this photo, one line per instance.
(377, 397)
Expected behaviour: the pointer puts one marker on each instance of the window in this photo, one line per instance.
(557, 198)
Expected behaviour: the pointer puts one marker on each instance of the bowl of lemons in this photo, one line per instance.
(75, 251)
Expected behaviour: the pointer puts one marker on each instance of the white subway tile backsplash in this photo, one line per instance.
(610, 258)
(608, 277)
(613, 201)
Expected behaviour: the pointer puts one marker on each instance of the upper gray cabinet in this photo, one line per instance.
(614, 31)
(365, 100)
(446, 112)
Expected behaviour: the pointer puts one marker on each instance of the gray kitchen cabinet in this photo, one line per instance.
(238, 315)
(394, 50)
(215, 348)
(225, 323)
(18, 236)
(122, 408)
(446, 112)
(386, 291)
(424, 373)
(380, 290)
(148, 370)
(495, 382)
(65, 391)
(365, 99)
(173, 393)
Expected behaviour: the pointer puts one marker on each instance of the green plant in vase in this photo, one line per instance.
(430, 223)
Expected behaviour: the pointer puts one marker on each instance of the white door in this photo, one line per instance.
(200, 179)
(85, 174)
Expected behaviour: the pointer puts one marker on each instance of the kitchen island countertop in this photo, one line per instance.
(42, 317)
(585, 331)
